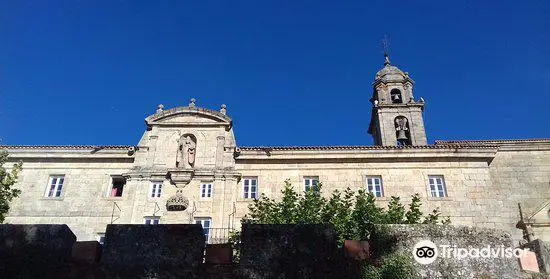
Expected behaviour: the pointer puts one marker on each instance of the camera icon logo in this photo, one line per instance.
(425, 252)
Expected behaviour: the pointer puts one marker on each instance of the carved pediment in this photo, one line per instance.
(189, 116)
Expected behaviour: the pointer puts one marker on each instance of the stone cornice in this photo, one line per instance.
(503, 145)
(22, 152)
(485, 153)
(65, 147)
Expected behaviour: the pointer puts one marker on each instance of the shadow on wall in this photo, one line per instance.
(267, 251)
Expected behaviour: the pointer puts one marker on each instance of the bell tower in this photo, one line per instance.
(396, 117)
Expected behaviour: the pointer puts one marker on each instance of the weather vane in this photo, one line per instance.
(386, 46)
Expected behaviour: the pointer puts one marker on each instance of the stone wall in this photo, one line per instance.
(402, 239)
(289, 251)
(520, 175)
(268, 251)
(34, 251)
(87, 182)
(134, 251)
(465, 181)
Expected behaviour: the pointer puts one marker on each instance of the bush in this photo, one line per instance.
(353, 215)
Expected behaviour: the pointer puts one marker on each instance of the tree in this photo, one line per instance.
(352, 215)
(7, 179)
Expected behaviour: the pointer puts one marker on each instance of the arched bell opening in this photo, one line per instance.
(402, 131)
(396, 97)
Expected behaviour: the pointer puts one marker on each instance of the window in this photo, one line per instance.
(206, 190)
(250, 188)
(311, 182)
(374, 186)
(101, 238)
(156, 189)
(152, 220)
(206, 225)
(55, 186)
(117, 186)
(395, 95)
(437, 186)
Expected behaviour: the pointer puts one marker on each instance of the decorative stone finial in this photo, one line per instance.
(223, 109)
(160, 108)
(386, 59)
(192, 103)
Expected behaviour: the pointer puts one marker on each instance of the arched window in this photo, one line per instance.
(396, 97)
(402, 131)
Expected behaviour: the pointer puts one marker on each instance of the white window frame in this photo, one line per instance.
(55, 190)
(206, 229)
(250, 190)
(156, 189)
(151, 220)
(310, 181)
(206, 190)
(437, 186)
(371, 186)
(111, 180)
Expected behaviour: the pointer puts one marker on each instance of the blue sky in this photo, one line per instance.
(89, 72)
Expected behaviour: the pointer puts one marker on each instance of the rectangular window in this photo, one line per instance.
(437, 186)
(250, 187)
(152, 220)
(206, 190)
(117, 186)
(206, 226)
(311, 183)
(156, 189)
(55, 186)
(374, 186)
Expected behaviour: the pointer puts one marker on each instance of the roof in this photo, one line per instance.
(360, 147)
(118, 147)
(498, 141)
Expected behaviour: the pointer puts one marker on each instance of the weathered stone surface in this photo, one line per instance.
(165, 251)
(34, 251)
(402, 238)
(289, 251)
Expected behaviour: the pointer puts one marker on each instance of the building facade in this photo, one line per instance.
(188, 168)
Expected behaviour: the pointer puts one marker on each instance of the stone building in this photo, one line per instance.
(188, 168)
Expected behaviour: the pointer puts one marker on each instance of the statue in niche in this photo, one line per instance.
(187, 146)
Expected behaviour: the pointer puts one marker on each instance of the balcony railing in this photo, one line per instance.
(217, 235)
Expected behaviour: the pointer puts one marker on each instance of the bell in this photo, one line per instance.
(401, 135)
(396, 97)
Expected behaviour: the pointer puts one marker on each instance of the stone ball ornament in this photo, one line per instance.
(177, 202)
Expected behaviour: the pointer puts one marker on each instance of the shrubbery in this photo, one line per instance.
(351, 214)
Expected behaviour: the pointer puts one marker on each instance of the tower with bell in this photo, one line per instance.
(396, 116)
